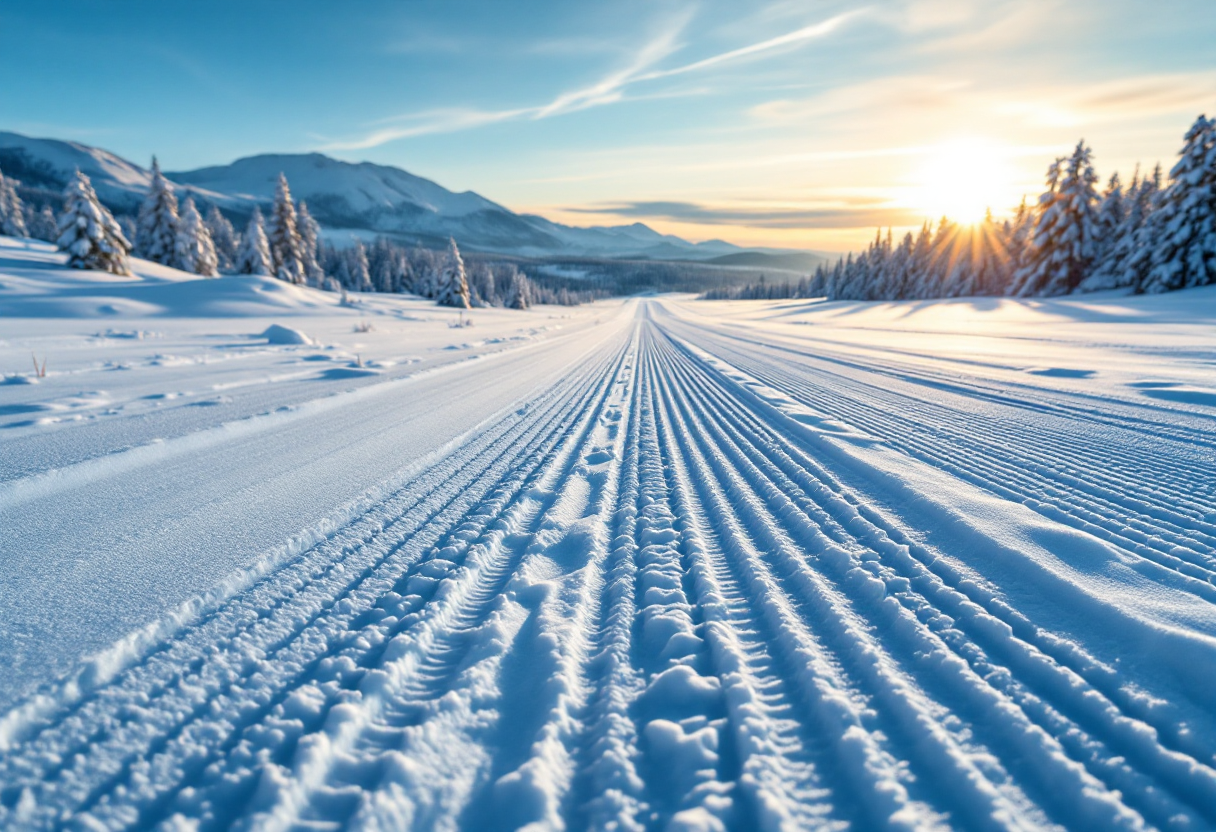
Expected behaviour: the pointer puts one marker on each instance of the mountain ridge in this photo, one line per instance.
(360, 199)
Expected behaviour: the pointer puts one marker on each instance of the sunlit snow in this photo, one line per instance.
(655, 563)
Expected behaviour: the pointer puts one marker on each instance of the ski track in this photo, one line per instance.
(652, 598)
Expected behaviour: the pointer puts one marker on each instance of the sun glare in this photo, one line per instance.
(962, 180)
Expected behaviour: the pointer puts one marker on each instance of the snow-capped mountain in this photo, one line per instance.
(361, 198)
(48, 163)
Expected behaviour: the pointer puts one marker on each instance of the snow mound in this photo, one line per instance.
(277, 334)
(35, 282)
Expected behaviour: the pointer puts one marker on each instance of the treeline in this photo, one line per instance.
(762, 290)
(288, 246)
(386, 266)
(1147, 237)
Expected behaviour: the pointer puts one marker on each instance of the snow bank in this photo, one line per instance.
(34, 283)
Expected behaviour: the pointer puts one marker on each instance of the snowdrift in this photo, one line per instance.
(34, 283)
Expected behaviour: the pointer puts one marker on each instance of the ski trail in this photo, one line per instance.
(699, 582)
(1179, 772)
(1130, 499)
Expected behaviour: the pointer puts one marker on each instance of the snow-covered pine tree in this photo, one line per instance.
(944, 263)
(358, 274)
(519, 295)
(878, 264)
(12, 212)
(1182, 241)
(380, 264)
(194, 251)
(990, 257)
(89, 233)
(156, 229)
(30, 219)
(1109, 269)
(1111, 212)
(1017, 241)
(957, 258)
(284, 236)
(254, 255)
(453, 284)
(403, 273)
(41, 224)
(482, 289)
(921, 267)
(1062, 250)
(1137, 243)
(424, 269)
(310, 240)
(223, 236)
(901, 266)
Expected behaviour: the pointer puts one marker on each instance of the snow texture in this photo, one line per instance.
(656, 564)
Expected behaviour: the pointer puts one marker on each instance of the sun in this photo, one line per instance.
(962, 179)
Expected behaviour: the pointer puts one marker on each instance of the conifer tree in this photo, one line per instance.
(1112, 210)
(1182, 240)
(89, 233)
(426, 283)
(990, 257)
(254, 255)
(1110, 268)
(901, 265)
(156, 229)
(310, 239)
(945, 265)
(1062, 249)
(518, 298)
(223, 236)
(1136, 244)
(40, 224)
(358, 276)
(384, 265)
(453, 283)
(284, 236)
(12, 211)
(1017, 238)
(193, 250)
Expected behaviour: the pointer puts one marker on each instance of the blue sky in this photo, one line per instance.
(783, 123)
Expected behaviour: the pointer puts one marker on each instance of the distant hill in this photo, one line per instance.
(793, 261)
(366, 199)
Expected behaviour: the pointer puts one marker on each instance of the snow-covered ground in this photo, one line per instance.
(647, 564)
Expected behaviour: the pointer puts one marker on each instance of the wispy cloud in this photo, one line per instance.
(799, 36)
(1135, 97)
(609, 89)
(930, 98)
(856, 213)
(427, 123)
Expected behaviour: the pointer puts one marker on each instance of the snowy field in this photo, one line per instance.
(648, 564)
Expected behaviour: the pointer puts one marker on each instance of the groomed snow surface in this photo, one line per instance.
(272, 563)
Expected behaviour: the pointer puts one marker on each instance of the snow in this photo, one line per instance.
(655, 563)
(278, 334)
